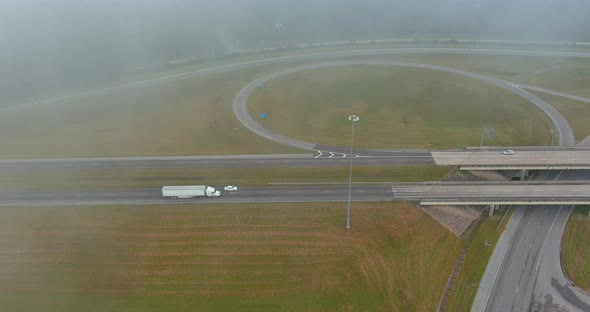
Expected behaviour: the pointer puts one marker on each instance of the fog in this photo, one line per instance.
(57, 46)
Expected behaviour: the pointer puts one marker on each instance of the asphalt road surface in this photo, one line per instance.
(310, 193)
(394, 158)
(520, 157)
(552, 286)
(313, 193)
(530, 276)
(337, 156)
(506, 191)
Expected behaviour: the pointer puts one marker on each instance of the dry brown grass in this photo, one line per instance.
(218, 257)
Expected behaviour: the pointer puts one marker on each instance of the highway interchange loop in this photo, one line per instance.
(491, 295)
(240, 105)
(546, 285)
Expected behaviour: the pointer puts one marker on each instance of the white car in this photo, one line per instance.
(508, 152)
(230, 188)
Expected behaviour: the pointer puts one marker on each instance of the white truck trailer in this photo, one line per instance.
(189, 191)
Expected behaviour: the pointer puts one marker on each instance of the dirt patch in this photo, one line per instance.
(454, 218)
(488, 175)
(458, 219)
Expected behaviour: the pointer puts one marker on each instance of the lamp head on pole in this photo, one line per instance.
(353, 118)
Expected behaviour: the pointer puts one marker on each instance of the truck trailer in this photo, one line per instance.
(189, 191)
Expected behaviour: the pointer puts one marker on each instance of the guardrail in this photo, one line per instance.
(502, 202)
(524, 167)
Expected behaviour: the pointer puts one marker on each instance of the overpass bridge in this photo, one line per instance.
(546, 158)
(573, 193)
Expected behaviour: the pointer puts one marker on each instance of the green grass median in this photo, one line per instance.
(576, 248)
(55, 179)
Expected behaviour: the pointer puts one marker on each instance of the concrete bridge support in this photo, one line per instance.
(525, 173)
(492, 208)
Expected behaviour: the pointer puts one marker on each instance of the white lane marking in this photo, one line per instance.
(111, 194)
(344, 155)
(326, 191)
(319, 155)
(502, 260)
(331, 155)
(546, 238)
(143, 194)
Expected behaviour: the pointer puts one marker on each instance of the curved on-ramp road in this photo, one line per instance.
(240, 105)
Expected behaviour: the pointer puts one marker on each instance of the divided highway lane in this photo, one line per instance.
(310, 193)
(153, 196)
(530, 276)
(492, 191)
(401, 158)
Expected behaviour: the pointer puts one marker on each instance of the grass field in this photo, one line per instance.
(399, 107)
(194, 116)
(271, 257)
(475, 262)
(47, 179)
(576, 112)
(149, 74)
(570, 75)
(180, 118)
(576, 248)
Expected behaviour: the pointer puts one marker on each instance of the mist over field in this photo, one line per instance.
(61, 45)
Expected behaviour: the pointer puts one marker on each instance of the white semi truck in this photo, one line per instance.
(189, 191)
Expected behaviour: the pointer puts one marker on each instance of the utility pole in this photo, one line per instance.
(353, 119)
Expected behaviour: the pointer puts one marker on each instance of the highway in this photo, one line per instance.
(311, 193)
(549, 287)
(327, 159)
(326, 156)
(521, 159)
(530, 277)
(491, 191)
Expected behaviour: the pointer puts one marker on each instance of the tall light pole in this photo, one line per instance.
(353, 119)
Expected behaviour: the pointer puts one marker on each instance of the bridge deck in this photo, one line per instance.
(521, 159)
